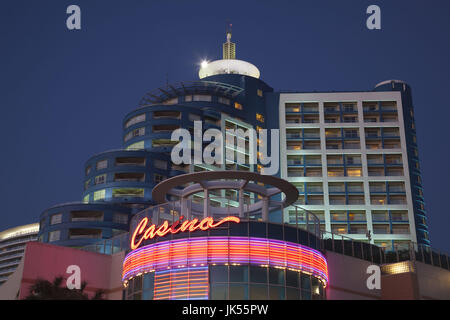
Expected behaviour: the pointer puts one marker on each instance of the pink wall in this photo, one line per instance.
(47, 261)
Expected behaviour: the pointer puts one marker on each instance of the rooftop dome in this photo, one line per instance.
(228, 66)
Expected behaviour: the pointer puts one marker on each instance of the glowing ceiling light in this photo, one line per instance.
(204, 64)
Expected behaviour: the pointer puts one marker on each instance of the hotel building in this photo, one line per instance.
(12, 247)
(347, 195)
(354, 158)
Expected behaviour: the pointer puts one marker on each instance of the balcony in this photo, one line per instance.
(293, 136)
(294, 163)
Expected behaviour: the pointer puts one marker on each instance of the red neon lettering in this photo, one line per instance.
(192, 225)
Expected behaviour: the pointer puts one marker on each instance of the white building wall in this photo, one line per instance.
(357, 97)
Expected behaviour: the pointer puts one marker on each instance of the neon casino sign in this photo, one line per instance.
(144, 231)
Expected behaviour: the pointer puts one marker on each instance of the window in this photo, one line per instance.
(310, 107)
(354, 173)
(54, 236)
(86, 199)
(42, 224)
(380, 216)
(259, 117)
(238, 106)
(170, 101)
(378, 200)
(335, 172)
(223, 100)
(163, 143)
(336, 187)
(102, 164)
(350, 119)
(358, 229)
(136, 146)
(80, 216)
(158, 178)
(88, 170)
(339, 229)
(351, 133)
(134, 133)
(353, 159)
(372, 132)
(85, 234)
(86, 184)
(160, 164)
(349, 107)
(121, 218)
(164, 128)
(167, 115)
(130, 161)
(292, 107)
(100, 179)
(400, 229)
(202, 97)
(194, 117)
(129, 176)
(135, 119)
(128, 192)
(56, 218)
(99, 195)
(259, 92)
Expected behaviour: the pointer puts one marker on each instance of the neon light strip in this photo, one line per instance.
(184, 283)
(204, 251)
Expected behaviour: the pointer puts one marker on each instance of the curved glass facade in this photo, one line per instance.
(125, 176)
(245, 260)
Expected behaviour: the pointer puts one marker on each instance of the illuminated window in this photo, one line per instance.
(100, 179)
(99, 195)
(258, 128)
(86, 199)
(259, 92)
(259, 117)
(56, 218)
(238, 106)
(335, 172)
(339, 229)
(86, 184)
(128, 192)
(136, 146)
(354, 172)
(163, 143)
(378, 200)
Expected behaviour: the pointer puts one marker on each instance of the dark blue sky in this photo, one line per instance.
(64, 93)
